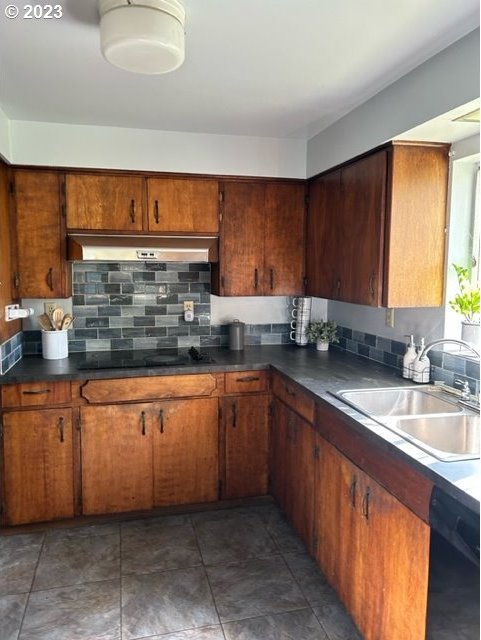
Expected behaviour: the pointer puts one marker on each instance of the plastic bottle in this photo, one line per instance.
(421, 366)
(409, 358)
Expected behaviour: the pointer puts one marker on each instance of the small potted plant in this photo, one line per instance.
(466, 302)
(322, 333)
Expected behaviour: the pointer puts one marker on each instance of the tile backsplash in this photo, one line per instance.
(445, 366)
(11, 352)
(139, 305)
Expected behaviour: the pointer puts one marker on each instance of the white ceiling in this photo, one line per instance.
(279, 68)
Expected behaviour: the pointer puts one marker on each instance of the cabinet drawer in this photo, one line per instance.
(246, 381)
(132, 389)
(35, 394)
(291, 394)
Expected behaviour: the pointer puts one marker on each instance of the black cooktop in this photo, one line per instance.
(135, 359)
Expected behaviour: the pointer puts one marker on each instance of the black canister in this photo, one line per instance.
(236, 335)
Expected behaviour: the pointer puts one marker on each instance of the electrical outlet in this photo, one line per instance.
(390, 318)
(49, 307)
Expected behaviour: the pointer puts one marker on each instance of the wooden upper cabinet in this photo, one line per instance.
(262, 240)
(104, 202)
(40, 236)
(242, 239)
(284, 239)
(7, 293)
(376, 228)
(186, 205)
(361, 230)
(416, 225)
(322, 269)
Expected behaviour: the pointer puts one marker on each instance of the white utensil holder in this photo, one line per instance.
(55, 344)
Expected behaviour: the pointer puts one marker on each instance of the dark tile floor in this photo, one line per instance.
(237, 574)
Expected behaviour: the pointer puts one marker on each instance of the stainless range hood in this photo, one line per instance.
(118, 248)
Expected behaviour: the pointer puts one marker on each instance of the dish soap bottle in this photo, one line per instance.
(421, 366)
(409, 358)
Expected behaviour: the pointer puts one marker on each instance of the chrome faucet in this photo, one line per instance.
(434, 343)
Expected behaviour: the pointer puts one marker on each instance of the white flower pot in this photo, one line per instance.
(470, 333)
(321, 345)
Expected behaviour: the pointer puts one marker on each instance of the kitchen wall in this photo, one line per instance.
(61, 145)
(4, 136)
(445, 81)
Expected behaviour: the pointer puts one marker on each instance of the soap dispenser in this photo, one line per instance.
(421, 366)
(409, 358)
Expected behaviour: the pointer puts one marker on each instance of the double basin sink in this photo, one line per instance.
(434, 423)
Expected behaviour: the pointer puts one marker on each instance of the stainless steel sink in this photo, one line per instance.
(453, 436)
(397, 402)
(436, 424)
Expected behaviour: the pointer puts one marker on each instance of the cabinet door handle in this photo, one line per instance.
(256, 278)
(352, 492)
(132, 210)
(16, 280)
(289, 391)
(272, 278)
(156, 212)
(142, 421)
(371, 285)
(234, 415)
(36, 392)
(365, 504)
(61, 427)
(161, 421)
(247, 379)
(49, 279)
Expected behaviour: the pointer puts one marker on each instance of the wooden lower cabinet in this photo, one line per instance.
(116, 458)
(293, 465)
(38, 465)
(246, 444)
(137, 456)
(185, 451)
(373, 550)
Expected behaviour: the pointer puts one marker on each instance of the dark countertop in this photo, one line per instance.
(318, 372)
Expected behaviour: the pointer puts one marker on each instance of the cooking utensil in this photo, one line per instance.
(45, 322)
(57, 318)
(67, 321)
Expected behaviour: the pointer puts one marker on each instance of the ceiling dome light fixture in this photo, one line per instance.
(143, 36)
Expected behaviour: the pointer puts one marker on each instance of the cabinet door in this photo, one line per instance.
(361, 228)
(302, 465)
(190, 206)
(392, 566)
(40, 235)
(371, 548)
(242, 239)
(185, 453)
(246, 420)
(116, 458)
(284, 239)
(38, 465)
(293, 468)
(278, 453)
(7, 294)
(323, 252)
(104, 202)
